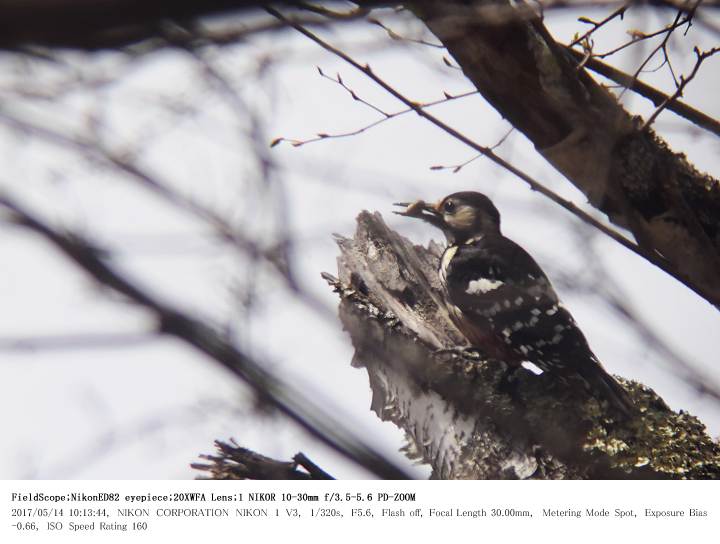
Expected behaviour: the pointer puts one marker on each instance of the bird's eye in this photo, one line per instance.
(449, 206)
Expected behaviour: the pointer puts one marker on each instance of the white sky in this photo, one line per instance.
(146, 410)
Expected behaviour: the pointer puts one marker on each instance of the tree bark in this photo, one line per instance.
(579, 127)
(233, 462)
(505, 50)
(475, 418)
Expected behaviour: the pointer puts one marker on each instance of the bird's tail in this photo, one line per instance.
(606, 386)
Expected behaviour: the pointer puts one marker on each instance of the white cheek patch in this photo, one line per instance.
(483, 285)
(462, 219)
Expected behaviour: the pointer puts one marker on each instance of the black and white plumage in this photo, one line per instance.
(503, 302)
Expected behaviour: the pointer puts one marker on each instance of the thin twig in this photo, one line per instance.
(652, 257)
(198, 334)
(395, 36)
(457, 167)
(225, 230)
(657, 97)
(386, 117)
(339, 80)
(638, 37)
(619, 12)
(147, 180)
(663, 45)
(701, 56)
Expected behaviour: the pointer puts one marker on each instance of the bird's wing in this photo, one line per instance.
(500, 289)
(495, 271)
(496, 284)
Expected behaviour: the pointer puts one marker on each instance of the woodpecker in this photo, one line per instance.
(502, 301)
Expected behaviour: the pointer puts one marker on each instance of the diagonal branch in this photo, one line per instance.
(650, 256)
(385, 116)
(204, 338)
(619, 12)
(581, 129)
(701, 57)
(657, 97)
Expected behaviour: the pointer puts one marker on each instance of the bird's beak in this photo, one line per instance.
(421, 210)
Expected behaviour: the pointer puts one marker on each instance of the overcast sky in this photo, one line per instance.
(145, 407)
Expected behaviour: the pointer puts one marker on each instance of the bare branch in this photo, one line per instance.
(581, 129)
(118, 23)
(77, 341)
(385, 117)
(619, 12)
(643, 89)
(662, 46)
(269, 388)
(337, 79)
(395, 36)
(457, 167)
(227, 232)
(234, 462)
(638, 36)
(535, 185)
(701, 56)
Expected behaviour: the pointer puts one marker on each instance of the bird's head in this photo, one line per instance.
(460, 216)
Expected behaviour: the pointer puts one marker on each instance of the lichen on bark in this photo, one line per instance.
(472, 417)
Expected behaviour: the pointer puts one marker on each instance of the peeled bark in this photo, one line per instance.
(476, 418)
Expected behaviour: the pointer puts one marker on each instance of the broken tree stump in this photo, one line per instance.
(472, 417)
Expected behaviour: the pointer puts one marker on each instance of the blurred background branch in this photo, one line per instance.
(147, 127)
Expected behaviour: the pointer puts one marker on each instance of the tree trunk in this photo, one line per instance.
(580, 128)
(507, 53)
(473, 417)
